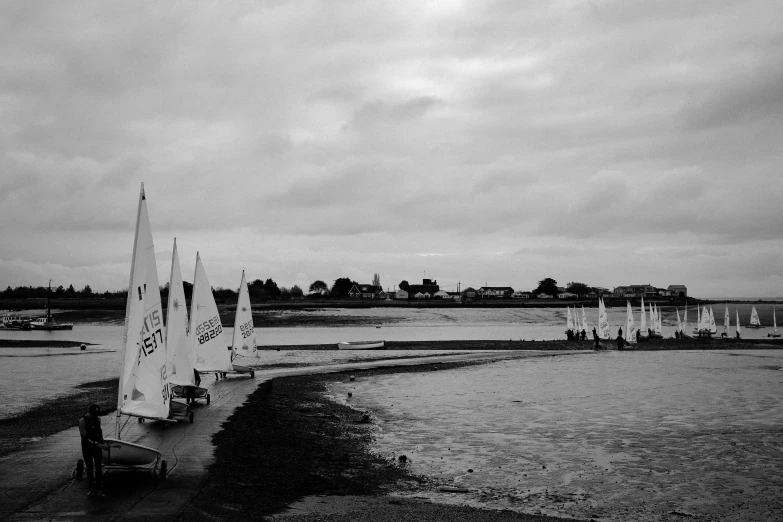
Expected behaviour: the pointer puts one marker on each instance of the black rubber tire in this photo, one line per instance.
(208, 397)
(80, 469)
(190, 416)
(141, 421)
(163, 469)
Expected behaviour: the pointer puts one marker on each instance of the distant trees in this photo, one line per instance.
(318, 286)
(578, 288)
(546, 286)
(404, 285)
(342, 286)
(376, 280)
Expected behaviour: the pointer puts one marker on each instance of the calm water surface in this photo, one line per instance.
(615, 435)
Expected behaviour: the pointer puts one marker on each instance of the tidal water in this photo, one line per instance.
(32, 375)
(612, 435)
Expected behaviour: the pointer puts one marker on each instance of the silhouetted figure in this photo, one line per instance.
(584, 335)
(620, 340)
(596, 339)
(638, 335)
(92, 451)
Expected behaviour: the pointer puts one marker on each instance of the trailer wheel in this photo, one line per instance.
(252, 373)
(80, 469)
(141, 421)
(163, 469)
(208, 398)
(191, 417)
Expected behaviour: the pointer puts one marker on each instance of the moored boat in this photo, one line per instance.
(48, 323)
(754, 319)
(362, 345)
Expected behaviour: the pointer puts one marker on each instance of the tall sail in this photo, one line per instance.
(206, 331)
(658, 326)
(243, 343)
(180, 349)
(685, 320)
(726, 320)
(704, 322)
(643, 319)
(143, 389)
(739, 330)
(679, 323)
(584, 319)
(630, 326)
(754, 318)
(698, 317)
(774, 322)
(603, 321)
(569, 320)
(713, 326)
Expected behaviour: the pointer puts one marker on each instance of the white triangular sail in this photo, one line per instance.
(679, 323)
(713, 326)
(726, 321)
(685, 320)
(180, 349)
(658, 321)
(643, 320)
(143, 389)
(739, 330)
(206, 332)
(584, 319)
(774, 322)
(569, 320)
(603, 320)
(754, 318)
(630, 326)
(243, 343)
(704, 323)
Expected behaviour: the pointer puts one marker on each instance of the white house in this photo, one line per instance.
(544, 296)
(442, 294)
(400, 294)
(566, 295)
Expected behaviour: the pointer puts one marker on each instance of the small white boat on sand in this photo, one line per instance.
(362, 345)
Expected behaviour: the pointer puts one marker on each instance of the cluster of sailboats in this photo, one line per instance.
(706, 325)
(161, 364)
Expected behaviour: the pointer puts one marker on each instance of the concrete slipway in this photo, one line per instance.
(37, 483)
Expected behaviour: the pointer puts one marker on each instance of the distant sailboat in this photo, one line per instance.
(569, 321)
(603, 321)
(713, 327)
(754, 319)
(726, 322)
(739, 330)
(630, 326)
(584, 319)
(654, 325)
(684, 328)
(643, 322)
(774, 325)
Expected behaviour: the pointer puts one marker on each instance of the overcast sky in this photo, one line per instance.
(606, 142)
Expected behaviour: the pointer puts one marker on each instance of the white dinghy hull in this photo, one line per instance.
(124, 453)
(362, 345)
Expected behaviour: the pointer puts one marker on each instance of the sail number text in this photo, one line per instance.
(246, 329)
(209, 330)
(152, 335)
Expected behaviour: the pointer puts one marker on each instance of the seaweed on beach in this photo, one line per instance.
(288, 441)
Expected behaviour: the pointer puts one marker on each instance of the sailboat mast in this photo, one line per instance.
(49, 303)
(128, 305)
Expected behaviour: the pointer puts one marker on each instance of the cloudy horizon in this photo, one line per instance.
(606, 142)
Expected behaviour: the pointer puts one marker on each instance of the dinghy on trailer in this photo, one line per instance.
(182, 376)
(212, 354)
(244, 352)
(143, 389)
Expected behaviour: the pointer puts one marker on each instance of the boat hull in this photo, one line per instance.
(51, 327)
(754, 326)
(123, 453)
(362, 345)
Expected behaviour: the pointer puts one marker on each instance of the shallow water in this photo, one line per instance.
(617, 435)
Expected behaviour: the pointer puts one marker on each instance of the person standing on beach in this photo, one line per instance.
(596, 339)
(92, 449)
(620, 340)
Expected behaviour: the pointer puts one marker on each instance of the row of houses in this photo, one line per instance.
(649, 291)
(429, 289)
